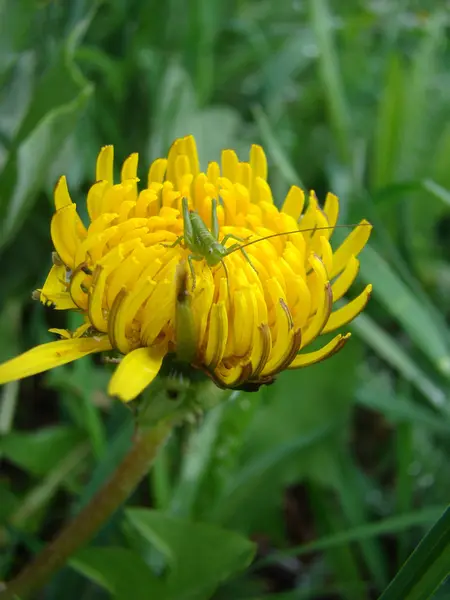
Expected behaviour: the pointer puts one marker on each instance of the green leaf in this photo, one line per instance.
(195, 464)
(377, 394)
(249, 480)
(427, 566)
(390, 525)
(57, 104)
(400, 301)
(387, 136)
(25, 171)
(199, 555)
(274, 148)
(121, 572)
(37, 452)
(329, 69)
(391, 351)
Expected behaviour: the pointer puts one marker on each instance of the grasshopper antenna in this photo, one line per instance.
(274, 235)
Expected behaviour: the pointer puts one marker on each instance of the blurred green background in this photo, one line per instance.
(335, 471)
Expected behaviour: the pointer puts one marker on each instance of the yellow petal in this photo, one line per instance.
(136, 371)
(294, 202)
(324, 301)
(157, 171)
(229, 162)
(342, 283)
(105, 160)
(129, 167)
(213, 171)
(55, 289)
(331, 209)
(258, 162)
(229, 377)
(50, 355)
(64, 333)
(95, 199)
(217, 336)
(348, 312)
(303, 360)
(190, 149)
(61, 194)
(65, 230)
(351, 246)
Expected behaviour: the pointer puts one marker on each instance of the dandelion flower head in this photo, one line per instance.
(244, 319)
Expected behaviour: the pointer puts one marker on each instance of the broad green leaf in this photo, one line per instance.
(56, 106)
(37, 452)
(25, 171)
(199, 555)
(121, 572)
(426, 568)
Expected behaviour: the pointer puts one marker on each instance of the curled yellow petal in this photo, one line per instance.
(104, 171)
(294, 202)
(309, 358)
(55, 290)
(342, 283)
(64, 230)
(136, 371)
(50, 355)
(347, 313)
(61, 194)
(129, 167)
(351, 246)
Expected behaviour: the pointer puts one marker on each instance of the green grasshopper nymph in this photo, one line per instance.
(204, 244)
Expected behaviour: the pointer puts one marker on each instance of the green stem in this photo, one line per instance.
(78, 532)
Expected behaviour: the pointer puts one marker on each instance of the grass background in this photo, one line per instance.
(335, 471)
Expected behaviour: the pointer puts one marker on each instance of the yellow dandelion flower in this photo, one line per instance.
(146, 291)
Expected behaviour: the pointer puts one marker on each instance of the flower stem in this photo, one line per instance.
(83, 527)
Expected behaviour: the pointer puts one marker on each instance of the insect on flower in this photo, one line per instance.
(200, 264)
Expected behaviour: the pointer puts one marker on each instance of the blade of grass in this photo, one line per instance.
(333, 87)
(195, 464)
(388, 526)
(400, 302)
(427, 566)
(388, 349)
(275, 150)
(353, 506)
(414, 122)
(43, 492)
(404, 481)
(387, 124)
(250, 477)
(437, 191)
(343, 560)
(397, 408)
